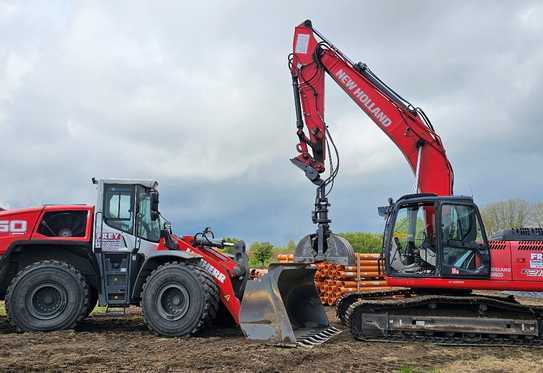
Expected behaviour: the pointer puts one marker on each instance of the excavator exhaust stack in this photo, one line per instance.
(284, 308)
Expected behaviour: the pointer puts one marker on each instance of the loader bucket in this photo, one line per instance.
(283, 306)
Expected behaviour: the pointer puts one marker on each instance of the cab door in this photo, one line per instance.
(115, 241)
(464, 248)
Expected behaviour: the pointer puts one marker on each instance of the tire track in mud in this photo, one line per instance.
(104, 343)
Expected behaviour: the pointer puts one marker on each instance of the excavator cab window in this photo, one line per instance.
(464, 253)
(413, 244)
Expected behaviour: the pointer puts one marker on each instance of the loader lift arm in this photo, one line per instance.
(407, 126)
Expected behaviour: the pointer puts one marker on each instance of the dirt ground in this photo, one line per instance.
(105, 343)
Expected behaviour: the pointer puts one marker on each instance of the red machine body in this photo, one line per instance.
(58, 262)
(515, 266)
(22, 228)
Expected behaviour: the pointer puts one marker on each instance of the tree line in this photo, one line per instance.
(513, 213)
(261, 254)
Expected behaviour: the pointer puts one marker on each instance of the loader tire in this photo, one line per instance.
(179, 299)
(46, 296)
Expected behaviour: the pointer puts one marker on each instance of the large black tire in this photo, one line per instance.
(45, 296)
(179, 299)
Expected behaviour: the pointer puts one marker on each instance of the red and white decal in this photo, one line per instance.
(536, 260)
(498, 272)
(13, 226)
(219, 276)
(109, 240)
(532, 272)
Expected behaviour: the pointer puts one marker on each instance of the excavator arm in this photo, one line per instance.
(408, 127)
(313, 58)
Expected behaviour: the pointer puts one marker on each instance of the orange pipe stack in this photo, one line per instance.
(332, 280)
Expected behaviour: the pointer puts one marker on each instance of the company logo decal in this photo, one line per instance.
(532, 272)
(110, 240)
(13, 226)
(363, 98)
(214, 272)
(536, 260)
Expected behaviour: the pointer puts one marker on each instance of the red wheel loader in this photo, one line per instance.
(58, 262)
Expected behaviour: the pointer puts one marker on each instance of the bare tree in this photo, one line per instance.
(513, 213)
(537, 214)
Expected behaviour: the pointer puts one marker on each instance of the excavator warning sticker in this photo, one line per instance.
(302, 42)
(536, 260)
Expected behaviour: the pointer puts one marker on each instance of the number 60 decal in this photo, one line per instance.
(13, 226)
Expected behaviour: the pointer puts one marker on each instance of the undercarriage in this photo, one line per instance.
(449, 319)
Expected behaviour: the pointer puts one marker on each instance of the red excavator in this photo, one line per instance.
(435, 249)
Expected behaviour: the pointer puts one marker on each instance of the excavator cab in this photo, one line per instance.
(431, 236)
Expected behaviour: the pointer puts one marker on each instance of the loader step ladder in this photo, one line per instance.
(116, 267)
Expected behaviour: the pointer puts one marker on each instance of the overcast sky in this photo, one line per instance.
(198, 96)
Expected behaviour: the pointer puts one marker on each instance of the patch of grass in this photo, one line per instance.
(98, 310)
(408, 369)
(2, 309)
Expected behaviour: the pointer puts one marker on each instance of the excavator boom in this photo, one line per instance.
(407, 126)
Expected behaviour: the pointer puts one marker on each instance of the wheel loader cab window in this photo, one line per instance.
(464, 250)
(146, 227)
(413, 246)
(119, 207)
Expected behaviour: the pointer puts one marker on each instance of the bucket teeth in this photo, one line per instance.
(312, 340)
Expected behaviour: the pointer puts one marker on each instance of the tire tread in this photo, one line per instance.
(65, 266)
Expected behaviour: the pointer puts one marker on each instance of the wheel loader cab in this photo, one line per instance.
(430, 236)
(127, 229)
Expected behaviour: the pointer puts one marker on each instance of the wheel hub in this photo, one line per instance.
(173, 301)
(47, 301)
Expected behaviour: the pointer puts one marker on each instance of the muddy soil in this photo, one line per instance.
(105, 343)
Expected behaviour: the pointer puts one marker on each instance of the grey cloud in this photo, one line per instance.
(198, 95)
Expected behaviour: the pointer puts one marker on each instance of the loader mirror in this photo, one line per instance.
(384, 211)
(155, 214)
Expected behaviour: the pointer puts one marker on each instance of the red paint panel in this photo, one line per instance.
(17, 225)
(224, 265)
(500, 260)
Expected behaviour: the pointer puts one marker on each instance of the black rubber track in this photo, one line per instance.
(506, 304)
